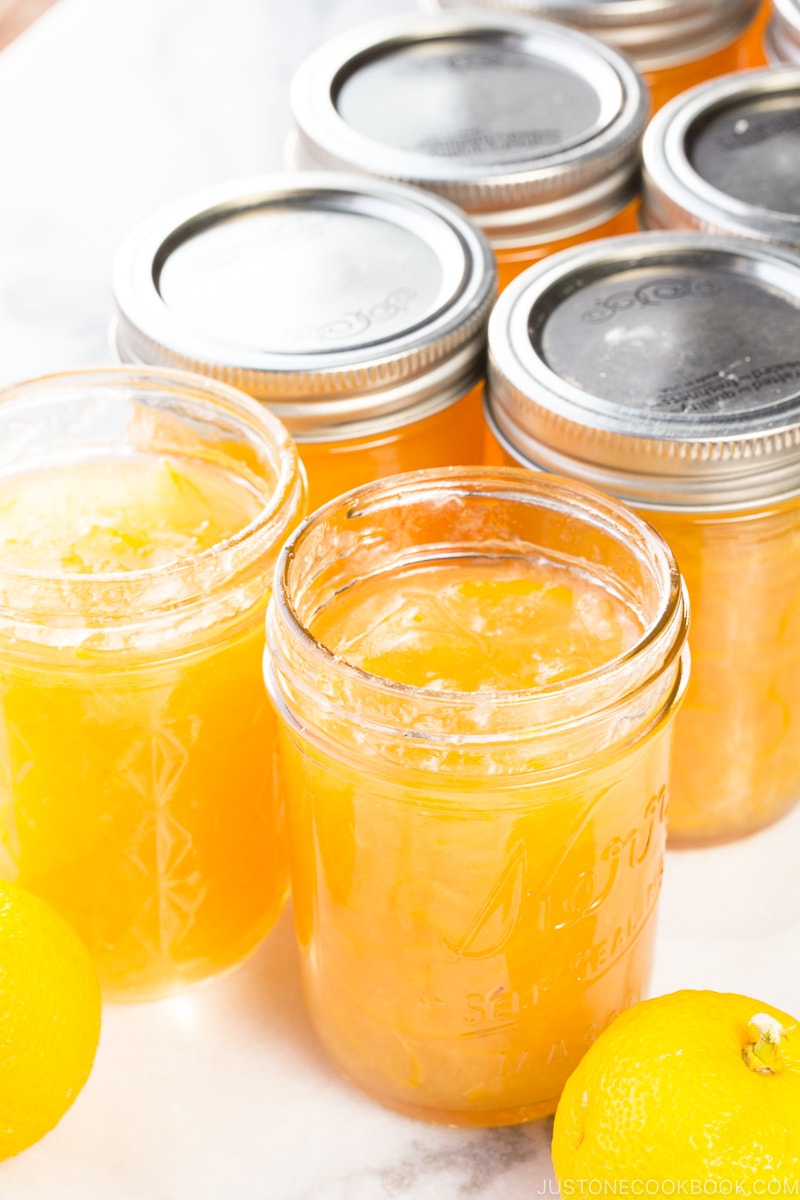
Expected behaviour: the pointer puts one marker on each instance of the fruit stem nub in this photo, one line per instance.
(763, 1054)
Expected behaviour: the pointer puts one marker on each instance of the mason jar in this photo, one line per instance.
(532, 128)
(356, 310)
(141, 513)
(475, 672)
(782, 39)
(725, 157)
(675, 44)
(665, 369)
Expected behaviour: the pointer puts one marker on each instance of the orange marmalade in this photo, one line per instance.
(475, 673)
(736, 758)
(140, 515)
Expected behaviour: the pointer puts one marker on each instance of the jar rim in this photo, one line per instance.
(661, 640)
(252, 539)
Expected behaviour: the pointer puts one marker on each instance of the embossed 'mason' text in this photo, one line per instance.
(558, 901)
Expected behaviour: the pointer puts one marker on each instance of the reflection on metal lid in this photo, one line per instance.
(525, 124)
(335, 299)
(304, 278)
(726, 156)
(664, 368)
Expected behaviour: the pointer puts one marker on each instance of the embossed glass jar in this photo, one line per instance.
(675, 44)
(355, 309)
(665, 369)
(782, 40)
(530, 127)
(137, 772)
(474, 873)
(725, 157)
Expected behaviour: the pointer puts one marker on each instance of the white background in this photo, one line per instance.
(108, 109)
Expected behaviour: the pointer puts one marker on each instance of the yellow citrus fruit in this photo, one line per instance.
(695, 1093)
(49, 1018)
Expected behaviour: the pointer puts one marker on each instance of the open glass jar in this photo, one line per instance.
(476, 800)
(355, 309)
(725, 157)
(675, 44)
(664, 368)
(530, 127)
(141, 513)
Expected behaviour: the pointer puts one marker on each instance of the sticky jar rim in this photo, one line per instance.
(113, 593)
(661, 645)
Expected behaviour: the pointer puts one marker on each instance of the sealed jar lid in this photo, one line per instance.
(782, 42)
(661, 367)
(654, 33)
(338, 301)
(726, 156)
(531, 127)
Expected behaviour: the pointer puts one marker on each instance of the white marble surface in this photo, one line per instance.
(110, 108)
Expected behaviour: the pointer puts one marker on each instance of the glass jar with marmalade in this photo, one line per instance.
(141, 514)
(532, 128)
(475, 673)
(726, 157)
(674, 43)
(665, 369)
(355, 309)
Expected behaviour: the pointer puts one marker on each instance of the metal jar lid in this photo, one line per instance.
(655, 34)
(663, 368)
(782, 42)
(725, 157)
(347, 305)
(531, 127)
